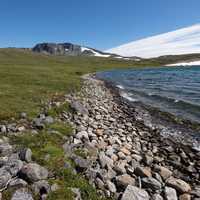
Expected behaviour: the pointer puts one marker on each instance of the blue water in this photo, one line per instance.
(175, 90)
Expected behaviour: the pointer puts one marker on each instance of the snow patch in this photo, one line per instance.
(193, 63)
(182, 41)
(94, 52)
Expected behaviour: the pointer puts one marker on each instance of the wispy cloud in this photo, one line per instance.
(182, 41)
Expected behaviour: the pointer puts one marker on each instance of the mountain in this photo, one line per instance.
(69, 49)
(182, 41)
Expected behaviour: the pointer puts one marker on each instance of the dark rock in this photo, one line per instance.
(25, 154)
(151, 183)
(81, 163)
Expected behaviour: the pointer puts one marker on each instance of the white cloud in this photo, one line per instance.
(182, 41)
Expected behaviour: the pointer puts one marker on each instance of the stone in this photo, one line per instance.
(25, 155)
(79, 108)
(120, 168)
(81, 163)
(16, 183)
(33, 172)
(77, 193)
(157, 197)
(124, 180)
(143, 171)
(5, 176)
(105, 160)
(178, 184)
(41, 187)
(5, 149)
(23, 115)
(170, 193)
(125, 151)
(111, 186)
(134, 193)
(21, 128)
(82, 135)
(151, 183)
(37, 122)
(163, 171)
(48, 120)
(22, 194)
(3, 129)
(185, 197)
(148, 160)
(99, 132)
(55, 187)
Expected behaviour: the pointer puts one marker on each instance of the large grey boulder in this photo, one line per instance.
(25, 155)
(22, 194)
(13, 166)
(33, 172)
(134, 193)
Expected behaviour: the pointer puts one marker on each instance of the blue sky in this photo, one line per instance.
(101, 24)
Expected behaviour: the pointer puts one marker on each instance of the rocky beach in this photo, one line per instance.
(124, 158)
(120, 155)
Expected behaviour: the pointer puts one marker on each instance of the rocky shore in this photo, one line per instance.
(113, 148)
(123, 158)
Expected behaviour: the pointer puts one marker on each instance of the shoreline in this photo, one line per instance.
(129, 153)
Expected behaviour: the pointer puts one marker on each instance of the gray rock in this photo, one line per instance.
(77, 193)
(163, 171)
(33, 172)
(17, 183)
(25, 155)
(151, 183)
(48, 120)
(5, 149)
(3, 129)
(105, 160)
(22, 194)
(111, 186)
(5, 176)
(81, 163)
(41, 187)
(157, 197)
(134, 193)
(79, 108)
(124, 180)
(170, 194)
(13, 166)
(23, 115)
(55, 187)
(82, 135)
(38, 123)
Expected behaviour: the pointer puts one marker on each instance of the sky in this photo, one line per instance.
(100, 24)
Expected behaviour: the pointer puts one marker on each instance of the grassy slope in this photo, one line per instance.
(27, 79)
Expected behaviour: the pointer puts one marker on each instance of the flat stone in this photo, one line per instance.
(134, 193)
(185, 197)
(125, 180)
(25, 155)
(22, 194)
(33, 172)
(163, 171)
(170, 193)
(178, 184)
(152, 183)
(143, 171)
(105, 160)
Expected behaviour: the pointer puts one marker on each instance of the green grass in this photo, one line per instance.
(28, 79)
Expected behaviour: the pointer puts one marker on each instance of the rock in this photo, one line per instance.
(5, 149)
(55, 187)
(105, 160)
(49, 120)
(79, 108)
(33, 172)
(111, 186)
(99, 183)
(5, 176)
(185, 197)
(170, 194)
(77, 193)
(23, 115)
(143, 171)
(17, 183)
(22, 194)
(120, 168)
(178, 184)
(41, 187)
(3, 129)
(82, 135)
(81, 163)
(163, 171)
(37, 122)
(151, 183)
(134, 193)
(148, 160)
(99, 132)
(25, 154)
(157, 197)
(124, 180)
(125, 151)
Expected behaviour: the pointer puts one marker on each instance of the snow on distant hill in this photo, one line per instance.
(182, 41)
(192, 63)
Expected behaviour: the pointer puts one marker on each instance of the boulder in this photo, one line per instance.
(25, 154)
(5, 149)
(163, 171)
(13, 166)
(5, 176)
(111, 186)
(41, 187)
(134, 193)
(170, 193)
(178, 184)
(151, 183)
(33, 172)
(105, 160)
(124, 180)
(143, 171)
(22, 194)
(17, 183)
